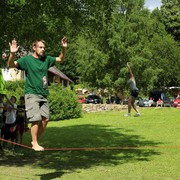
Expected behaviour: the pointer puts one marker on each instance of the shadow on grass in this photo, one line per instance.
(81, 136)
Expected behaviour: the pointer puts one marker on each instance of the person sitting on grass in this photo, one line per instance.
(151, 101)
(159, 102)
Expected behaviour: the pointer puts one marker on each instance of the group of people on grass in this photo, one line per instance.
(13, 121)
(36, 87)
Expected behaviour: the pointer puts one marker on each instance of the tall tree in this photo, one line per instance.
(128, 34)
(171, 13)
(103, 36)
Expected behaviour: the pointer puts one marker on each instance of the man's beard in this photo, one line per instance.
(40, 55)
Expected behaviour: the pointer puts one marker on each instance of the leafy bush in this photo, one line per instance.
(63, 103)
(15, 88)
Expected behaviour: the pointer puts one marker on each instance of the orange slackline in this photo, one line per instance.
(96, 148)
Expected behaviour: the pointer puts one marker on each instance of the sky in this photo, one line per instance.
(152, 4)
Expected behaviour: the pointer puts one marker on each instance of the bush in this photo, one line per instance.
(15, 88)
(63, 103)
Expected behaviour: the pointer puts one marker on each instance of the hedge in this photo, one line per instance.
(62, 100)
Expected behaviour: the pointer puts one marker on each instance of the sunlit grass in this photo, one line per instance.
(155, 133)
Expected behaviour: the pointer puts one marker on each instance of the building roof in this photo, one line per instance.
(57, 72)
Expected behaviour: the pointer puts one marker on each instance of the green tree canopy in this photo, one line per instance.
(103, 35)
(171, 16)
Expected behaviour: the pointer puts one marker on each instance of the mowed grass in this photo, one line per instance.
(155, 134)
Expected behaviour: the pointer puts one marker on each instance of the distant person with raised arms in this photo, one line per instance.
(36, 86)
(134, 92)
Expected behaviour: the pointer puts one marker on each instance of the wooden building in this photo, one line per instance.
(54, 76)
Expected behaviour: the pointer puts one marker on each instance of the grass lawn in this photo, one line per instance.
(156, 134)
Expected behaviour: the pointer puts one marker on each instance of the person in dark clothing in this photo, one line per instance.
(21, 120)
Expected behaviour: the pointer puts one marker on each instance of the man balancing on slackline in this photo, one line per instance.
(36, 87)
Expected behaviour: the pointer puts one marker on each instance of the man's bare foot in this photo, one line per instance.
(37, 147)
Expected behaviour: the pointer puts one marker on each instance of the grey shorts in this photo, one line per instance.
(36, 107)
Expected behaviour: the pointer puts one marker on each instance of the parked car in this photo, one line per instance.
(143, 102)
(176, 102)
(81, 99)
(167, 102)
(93, 98)
(113, 100)
(124, 101)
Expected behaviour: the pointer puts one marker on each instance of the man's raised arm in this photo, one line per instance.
(63, 51)
(13, 49)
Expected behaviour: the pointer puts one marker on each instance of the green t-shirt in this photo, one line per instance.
(36, 73)
(2, 84)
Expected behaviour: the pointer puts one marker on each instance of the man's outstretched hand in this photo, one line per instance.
(64, 42)
(13, 46)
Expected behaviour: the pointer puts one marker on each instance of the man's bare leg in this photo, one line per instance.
(34, 134)
(42, 127)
